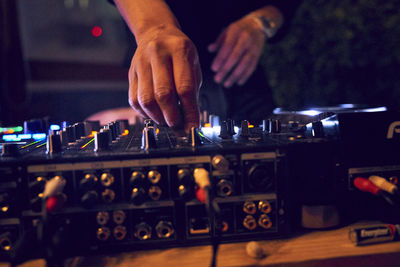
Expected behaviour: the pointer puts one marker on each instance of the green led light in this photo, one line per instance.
(16, 129)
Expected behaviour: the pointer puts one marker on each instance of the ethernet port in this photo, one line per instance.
(199, 226)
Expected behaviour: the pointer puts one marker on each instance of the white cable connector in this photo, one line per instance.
(202, 177)
(54, 186)
(383, 184)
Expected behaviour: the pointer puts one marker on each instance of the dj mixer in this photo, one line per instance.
(84, 188)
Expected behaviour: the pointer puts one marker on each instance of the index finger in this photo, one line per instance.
(186, 83)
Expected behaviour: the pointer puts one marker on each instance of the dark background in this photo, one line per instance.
(335, 52)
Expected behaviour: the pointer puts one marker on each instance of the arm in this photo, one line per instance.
(239, 47)
(165, 76)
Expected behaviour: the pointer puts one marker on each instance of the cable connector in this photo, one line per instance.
(383, 184)
(202, 177)
(54, 186)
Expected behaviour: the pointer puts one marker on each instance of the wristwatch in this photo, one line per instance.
(268, 27)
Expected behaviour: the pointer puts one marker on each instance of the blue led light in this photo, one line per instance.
(24, 136)
(11, 138)
(39, 136)
(55, 127)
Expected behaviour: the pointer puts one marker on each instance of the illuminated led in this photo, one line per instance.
(379, 109)
(92, 134)
(4, 209)
(251, 126)
(126, 132)
(55, 127)
(11, 138)
(24, 136)
(97, 31)
(39, 136)
(157, 131)
(207, 125)
(10, 130)
(310, 112)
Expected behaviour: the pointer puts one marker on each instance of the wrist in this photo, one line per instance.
(152, 32)
(269, 20)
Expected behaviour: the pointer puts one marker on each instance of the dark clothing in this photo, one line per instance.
(203, 21)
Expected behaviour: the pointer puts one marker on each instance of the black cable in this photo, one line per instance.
(213, 211)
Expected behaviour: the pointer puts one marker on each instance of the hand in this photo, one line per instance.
(238, 48)
(165, 77)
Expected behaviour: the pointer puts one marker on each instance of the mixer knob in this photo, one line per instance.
(213, 120)
(53, 144)
(91, 126)
(275, 126)
(148, 138)
(9, 150)
(35, 126)
(265, 126)
(231, 127)
(70, 134)
(64, 137)
(244, 129)
(194, 137)
(113, 130)
(318, 129)
(122, 126)
(224, 133)
(101, 141)
(219, 162)
(79, 130)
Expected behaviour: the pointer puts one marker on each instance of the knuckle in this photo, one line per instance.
(186, 91)
(146, 101)
(163, 94)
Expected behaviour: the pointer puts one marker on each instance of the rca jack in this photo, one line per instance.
(249, 207)
(119, 216)
(103, 233)
(155, 192)
(224, 188)
(107, 179)
(143, 231)
(264, 221)
(164, 229)
(249, 222)
(102, 217)
(5, 243)
(154, 176)
(108, 195)
(264, 206)
(119, 232)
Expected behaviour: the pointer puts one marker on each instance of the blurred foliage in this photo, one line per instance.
(338, 52)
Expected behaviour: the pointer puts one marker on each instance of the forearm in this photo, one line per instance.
(146, 15)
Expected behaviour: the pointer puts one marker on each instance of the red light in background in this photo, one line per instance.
(97, 31)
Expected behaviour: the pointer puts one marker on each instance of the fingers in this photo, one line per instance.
(133, 93)
(164, 91)
(240, 48)
(215, 46)
(243, 70)
(226, 48)
(186, 72)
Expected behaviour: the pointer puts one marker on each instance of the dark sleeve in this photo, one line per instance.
(288, 9)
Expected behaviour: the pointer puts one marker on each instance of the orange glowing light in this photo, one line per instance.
(251, 126)
(207, 125)
(126, 132)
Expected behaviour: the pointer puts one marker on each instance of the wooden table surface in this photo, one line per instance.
(314, 248)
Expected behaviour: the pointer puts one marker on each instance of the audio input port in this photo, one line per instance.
(164, 229)
(119, 216)
(108, 195)
(103, 233)
(249, 222)
(5, 243)
(264, 206)
(155, 192)
(154, 176)
(102, 217)
(107, 179)
(88, 182)
(143, 231)
(264, 221)
(224, 226)
(137, 179)
(119, 232)
(261, 177)
(224, 188)
(249, 207)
